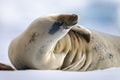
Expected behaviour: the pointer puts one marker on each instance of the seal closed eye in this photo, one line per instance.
(55, 27)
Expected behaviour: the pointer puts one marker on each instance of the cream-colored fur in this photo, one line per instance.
(55, 42)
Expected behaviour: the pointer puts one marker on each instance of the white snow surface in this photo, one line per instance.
(107, 74)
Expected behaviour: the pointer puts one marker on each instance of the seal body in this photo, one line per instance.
(105, 50)
(55, 42)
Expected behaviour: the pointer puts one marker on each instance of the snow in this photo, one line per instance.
(107, 74)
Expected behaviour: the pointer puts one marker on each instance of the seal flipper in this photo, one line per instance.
(84, 32)
(5, 67)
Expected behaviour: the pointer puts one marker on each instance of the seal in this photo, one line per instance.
(54, 42)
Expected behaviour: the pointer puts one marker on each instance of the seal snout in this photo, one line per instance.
(68, 19)
(75, 17)
(71, 20)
